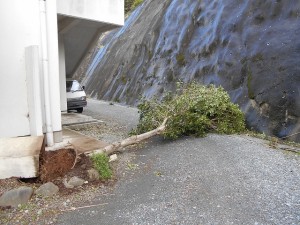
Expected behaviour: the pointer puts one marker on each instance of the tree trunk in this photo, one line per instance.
(131, 140)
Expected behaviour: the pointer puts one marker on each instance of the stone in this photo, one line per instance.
(47, 190)
(66, 184)
(93, 174)
(113, 158)
(76, 181)
(17, 196)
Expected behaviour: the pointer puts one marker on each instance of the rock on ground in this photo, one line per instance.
(93, 174)
(74, 182)
(17, 196)
(47, 189)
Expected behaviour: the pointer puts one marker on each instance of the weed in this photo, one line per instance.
(100, 162)
(132, 166)
(273, 141)
(159, 174)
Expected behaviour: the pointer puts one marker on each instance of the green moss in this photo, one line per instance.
(123, 79)
(180, 59)
(150, 54)
(244, 60)
(251, 94)
(258, 57)
(170, 76)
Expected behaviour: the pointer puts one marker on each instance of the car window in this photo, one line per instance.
(73, 86)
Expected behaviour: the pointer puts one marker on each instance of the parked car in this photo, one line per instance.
(76, 97)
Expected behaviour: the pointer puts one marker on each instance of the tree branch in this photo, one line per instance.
(131, 140)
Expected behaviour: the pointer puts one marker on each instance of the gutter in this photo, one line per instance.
(45, 64)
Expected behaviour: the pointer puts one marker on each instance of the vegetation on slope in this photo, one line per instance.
(130, 5)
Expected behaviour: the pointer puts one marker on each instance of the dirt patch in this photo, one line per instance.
(57, 166)
(54, 164)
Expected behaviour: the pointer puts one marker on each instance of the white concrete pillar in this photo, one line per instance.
(54, 86)
(45, 66)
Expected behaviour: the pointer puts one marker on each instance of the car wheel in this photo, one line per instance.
(79, 110)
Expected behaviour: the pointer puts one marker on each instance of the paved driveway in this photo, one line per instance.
(212, 180)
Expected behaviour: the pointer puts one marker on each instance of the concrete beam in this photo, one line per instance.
(19, 157)
(66, 23)
(104, 11)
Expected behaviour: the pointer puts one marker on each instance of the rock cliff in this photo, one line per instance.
(251, 48)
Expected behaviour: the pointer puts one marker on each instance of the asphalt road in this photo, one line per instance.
(218, 179)
(112, 113)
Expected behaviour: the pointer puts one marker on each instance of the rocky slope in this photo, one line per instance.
(251, 48)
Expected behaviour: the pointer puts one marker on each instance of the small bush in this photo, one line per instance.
(136, 3)
(193, 110)
(100, 162)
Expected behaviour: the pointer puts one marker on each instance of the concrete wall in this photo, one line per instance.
(19, 22)
(107, 11)
(22, 70)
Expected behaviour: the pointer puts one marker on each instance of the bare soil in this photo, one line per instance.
(54, 164)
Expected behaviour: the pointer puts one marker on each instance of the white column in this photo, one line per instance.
(34, 90)
(54, 86)
(45, 66)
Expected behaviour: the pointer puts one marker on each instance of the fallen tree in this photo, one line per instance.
(192, 110)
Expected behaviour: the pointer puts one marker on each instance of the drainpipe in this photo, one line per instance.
(43, 20)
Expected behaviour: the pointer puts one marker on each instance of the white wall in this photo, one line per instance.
(108, 11)
(19, 22)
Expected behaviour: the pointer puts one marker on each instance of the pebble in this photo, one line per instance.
(113, 158)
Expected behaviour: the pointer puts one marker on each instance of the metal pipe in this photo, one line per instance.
(43, 20)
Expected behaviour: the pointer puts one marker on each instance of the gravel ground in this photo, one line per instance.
(212, 180)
